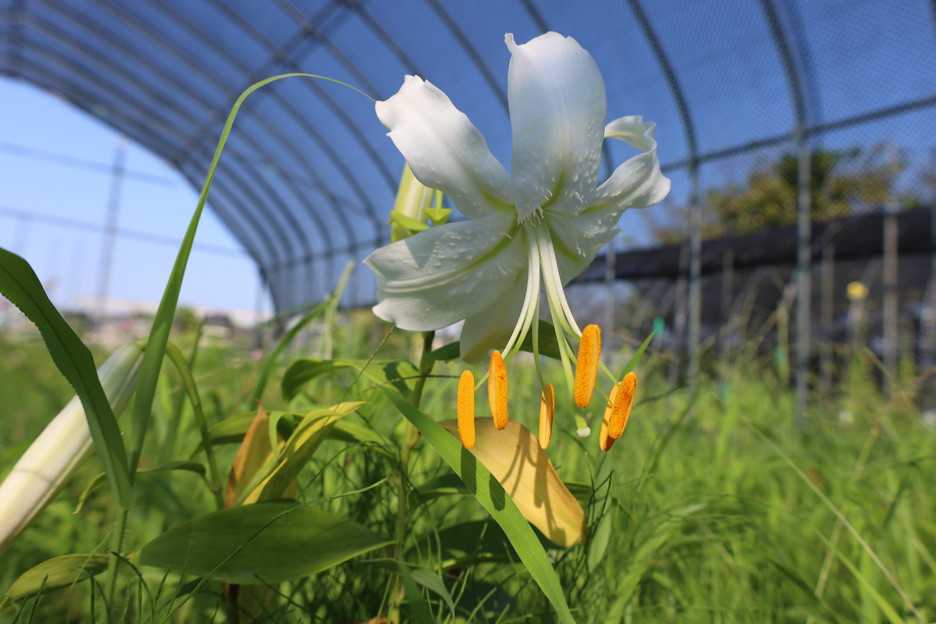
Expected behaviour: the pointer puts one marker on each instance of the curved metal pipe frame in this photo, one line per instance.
(695, 207)
(803, 210)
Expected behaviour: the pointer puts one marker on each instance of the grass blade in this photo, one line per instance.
(162, 322)
(325, 309)
(272, 358)
(191, 389)
(19, 284)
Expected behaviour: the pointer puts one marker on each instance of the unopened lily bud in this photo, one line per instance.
(52, 457)
(414, 203)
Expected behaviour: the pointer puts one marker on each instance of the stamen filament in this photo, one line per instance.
(465, 409)
(497, 390)
(546, 415)
(586, 367)
(536, 351)
(553, 280)
(529, 307)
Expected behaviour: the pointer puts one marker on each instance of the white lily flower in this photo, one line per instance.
(534, 229)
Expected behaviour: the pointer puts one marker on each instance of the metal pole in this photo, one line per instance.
(727, 295)
(891, 302)
(695, 226)
(262, 287)
(928, 325)
(679, 313)
(803, 278)
(828, 311)
(798, 92)
(695, 272)
(110, 230)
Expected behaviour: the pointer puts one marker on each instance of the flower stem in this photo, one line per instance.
(411, 437)
(113, 563)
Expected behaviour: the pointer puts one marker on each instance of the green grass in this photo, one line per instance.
(712, 507)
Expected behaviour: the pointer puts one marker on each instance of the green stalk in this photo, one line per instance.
(411, 437)
(168, 449)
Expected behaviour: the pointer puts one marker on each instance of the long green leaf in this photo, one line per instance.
(56, 573)
(328, 323)
(19, 284)
(495, 501)
(399, 374)
(262, 543)
(162, 322)
(634, 360)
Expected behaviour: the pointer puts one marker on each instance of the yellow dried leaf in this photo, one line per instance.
(250, 457)
(513, 455)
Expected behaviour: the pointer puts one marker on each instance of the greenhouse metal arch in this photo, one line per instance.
(309, 176)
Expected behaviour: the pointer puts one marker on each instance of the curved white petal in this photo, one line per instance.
(443, 148)
(557, 108)
(490, 328)
(448, 272)
(638, 181)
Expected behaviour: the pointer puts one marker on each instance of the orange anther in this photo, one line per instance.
(465, 409)
(497, 390)
(622, 399)
(586, 368)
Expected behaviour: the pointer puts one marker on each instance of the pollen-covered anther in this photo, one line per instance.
(497, 390)
(622, 399)
(465, 409)
(586, 369)
(546, 415)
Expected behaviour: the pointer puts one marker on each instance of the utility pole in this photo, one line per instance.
(110, 229)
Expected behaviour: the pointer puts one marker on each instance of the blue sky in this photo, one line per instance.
(68, 259)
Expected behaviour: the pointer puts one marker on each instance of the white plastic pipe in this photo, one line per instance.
(46, 464)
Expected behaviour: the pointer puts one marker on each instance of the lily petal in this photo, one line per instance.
(514, 457)
(557, 108)
(448, 272)
(636, 183)
(444, 149)
(491, 328)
